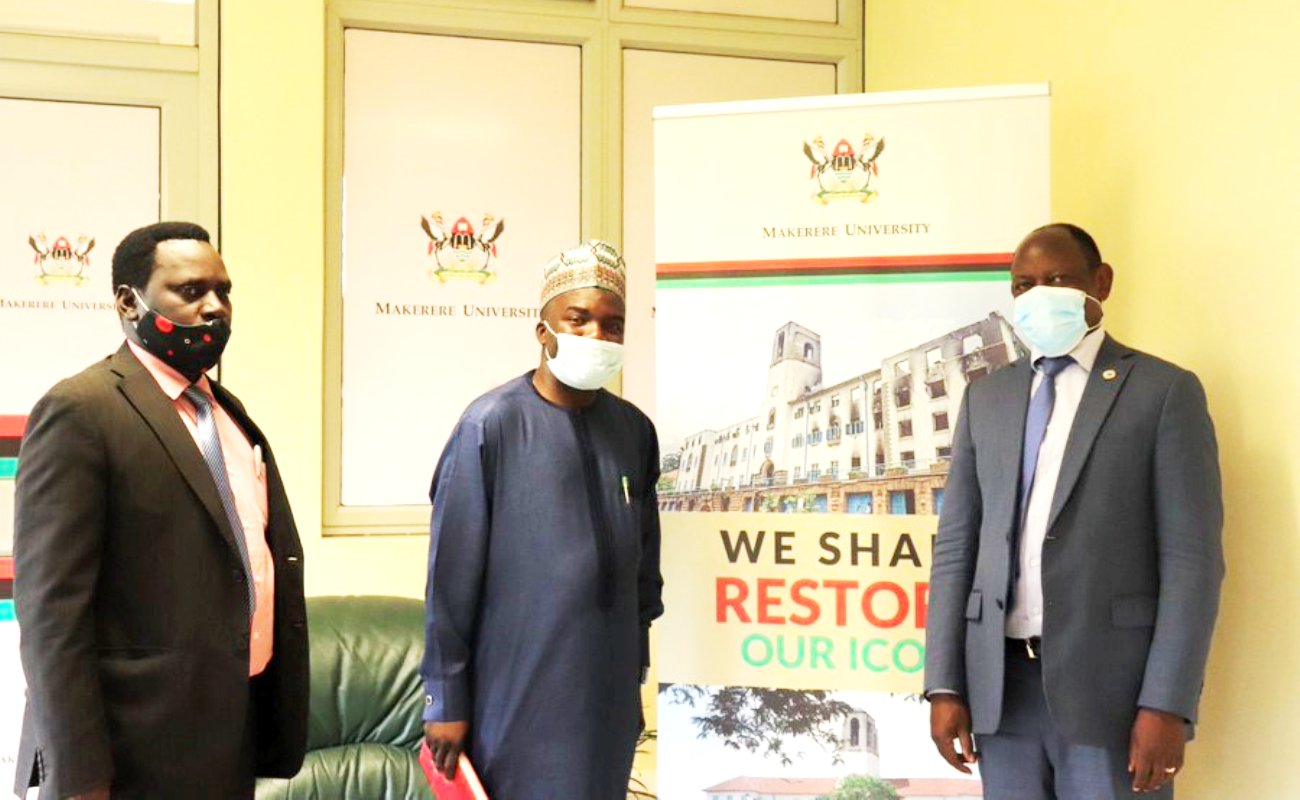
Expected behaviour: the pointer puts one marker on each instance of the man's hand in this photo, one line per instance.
(949, 721)
(1155, 751)
(446, 740)
(93, 794)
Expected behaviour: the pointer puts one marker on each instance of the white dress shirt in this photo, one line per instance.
(1025, 617)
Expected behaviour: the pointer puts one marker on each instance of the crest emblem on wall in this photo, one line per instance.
(461, 252)
(842, 173)
(62, 261)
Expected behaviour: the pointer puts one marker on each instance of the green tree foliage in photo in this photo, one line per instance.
(862, 787)
(759, 720)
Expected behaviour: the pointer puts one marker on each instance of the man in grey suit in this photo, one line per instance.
(1076, 573)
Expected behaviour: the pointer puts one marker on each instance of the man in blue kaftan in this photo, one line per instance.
(544, 560)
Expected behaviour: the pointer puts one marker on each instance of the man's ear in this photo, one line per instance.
(127, 304)
(1105, 280)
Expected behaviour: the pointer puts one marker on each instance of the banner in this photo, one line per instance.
(832, 273)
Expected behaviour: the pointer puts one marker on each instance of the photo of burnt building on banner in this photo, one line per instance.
(877, 443)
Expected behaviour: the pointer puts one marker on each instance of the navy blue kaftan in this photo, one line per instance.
(543, 578)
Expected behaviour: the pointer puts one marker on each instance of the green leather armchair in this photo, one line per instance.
(364, 729)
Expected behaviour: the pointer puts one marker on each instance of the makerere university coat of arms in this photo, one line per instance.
(843, 174)
(62, 262)
(461, 252)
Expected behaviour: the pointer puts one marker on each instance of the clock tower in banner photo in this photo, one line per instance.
(795, 372)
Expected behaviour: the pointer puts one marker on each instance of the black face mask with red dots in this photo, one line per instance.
(191, 350)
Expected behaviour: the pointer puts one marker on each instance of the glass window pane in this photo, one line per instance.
(57, 234)
(461, 179)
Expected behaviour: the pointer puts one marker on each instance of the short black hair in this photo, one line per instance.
(133, 260)
(1082, 239)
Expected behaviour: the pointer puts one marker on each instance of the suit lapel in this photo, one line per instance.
(279, 518)
(1012, 405)
(142, 392)
(236, 411)
(1104, 383)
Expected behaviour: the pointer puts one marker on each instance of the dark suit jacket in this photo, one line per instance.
(1131, 565)
(132, 603)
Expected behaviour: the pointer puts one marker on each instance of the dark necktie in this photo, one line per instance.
(1040, 413)
(210, 445)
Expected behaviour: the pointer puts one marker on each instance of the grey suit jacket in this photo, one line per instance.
(1131, 565)
(132, 602)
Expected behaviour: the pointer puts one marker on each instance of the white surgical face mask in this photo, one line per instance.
(583, 362)
(1051, 319)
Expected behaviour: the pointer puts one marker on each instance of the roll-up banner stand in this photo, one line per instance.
(831, 273)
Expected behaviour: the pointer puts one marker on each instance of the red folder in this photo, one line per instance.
(466, 786)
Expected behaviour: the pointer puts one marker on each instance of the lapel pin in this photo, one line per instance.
(1109, 375)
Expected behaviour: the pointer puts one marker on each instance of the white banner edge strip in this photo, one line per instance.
(907, 97)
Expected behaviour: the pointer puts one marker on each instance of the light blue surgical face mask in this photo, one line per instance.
(1051, 319)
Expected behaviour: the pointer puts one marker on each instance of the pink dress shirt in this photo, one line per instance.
(247, 475)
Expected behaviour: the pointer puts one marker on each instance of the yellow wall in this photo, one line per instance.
(1174, 141)
(272, 203)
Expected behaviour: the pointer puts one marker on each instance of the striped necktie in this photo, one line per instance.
(1040, 413)
(210, 445)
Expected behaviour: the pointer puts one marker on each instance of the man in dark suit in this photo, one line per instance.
(159, 583)
(1077, 568)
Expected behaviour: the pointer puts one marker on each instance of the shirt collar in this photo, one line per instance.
(1084, 353)
(168, 379)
